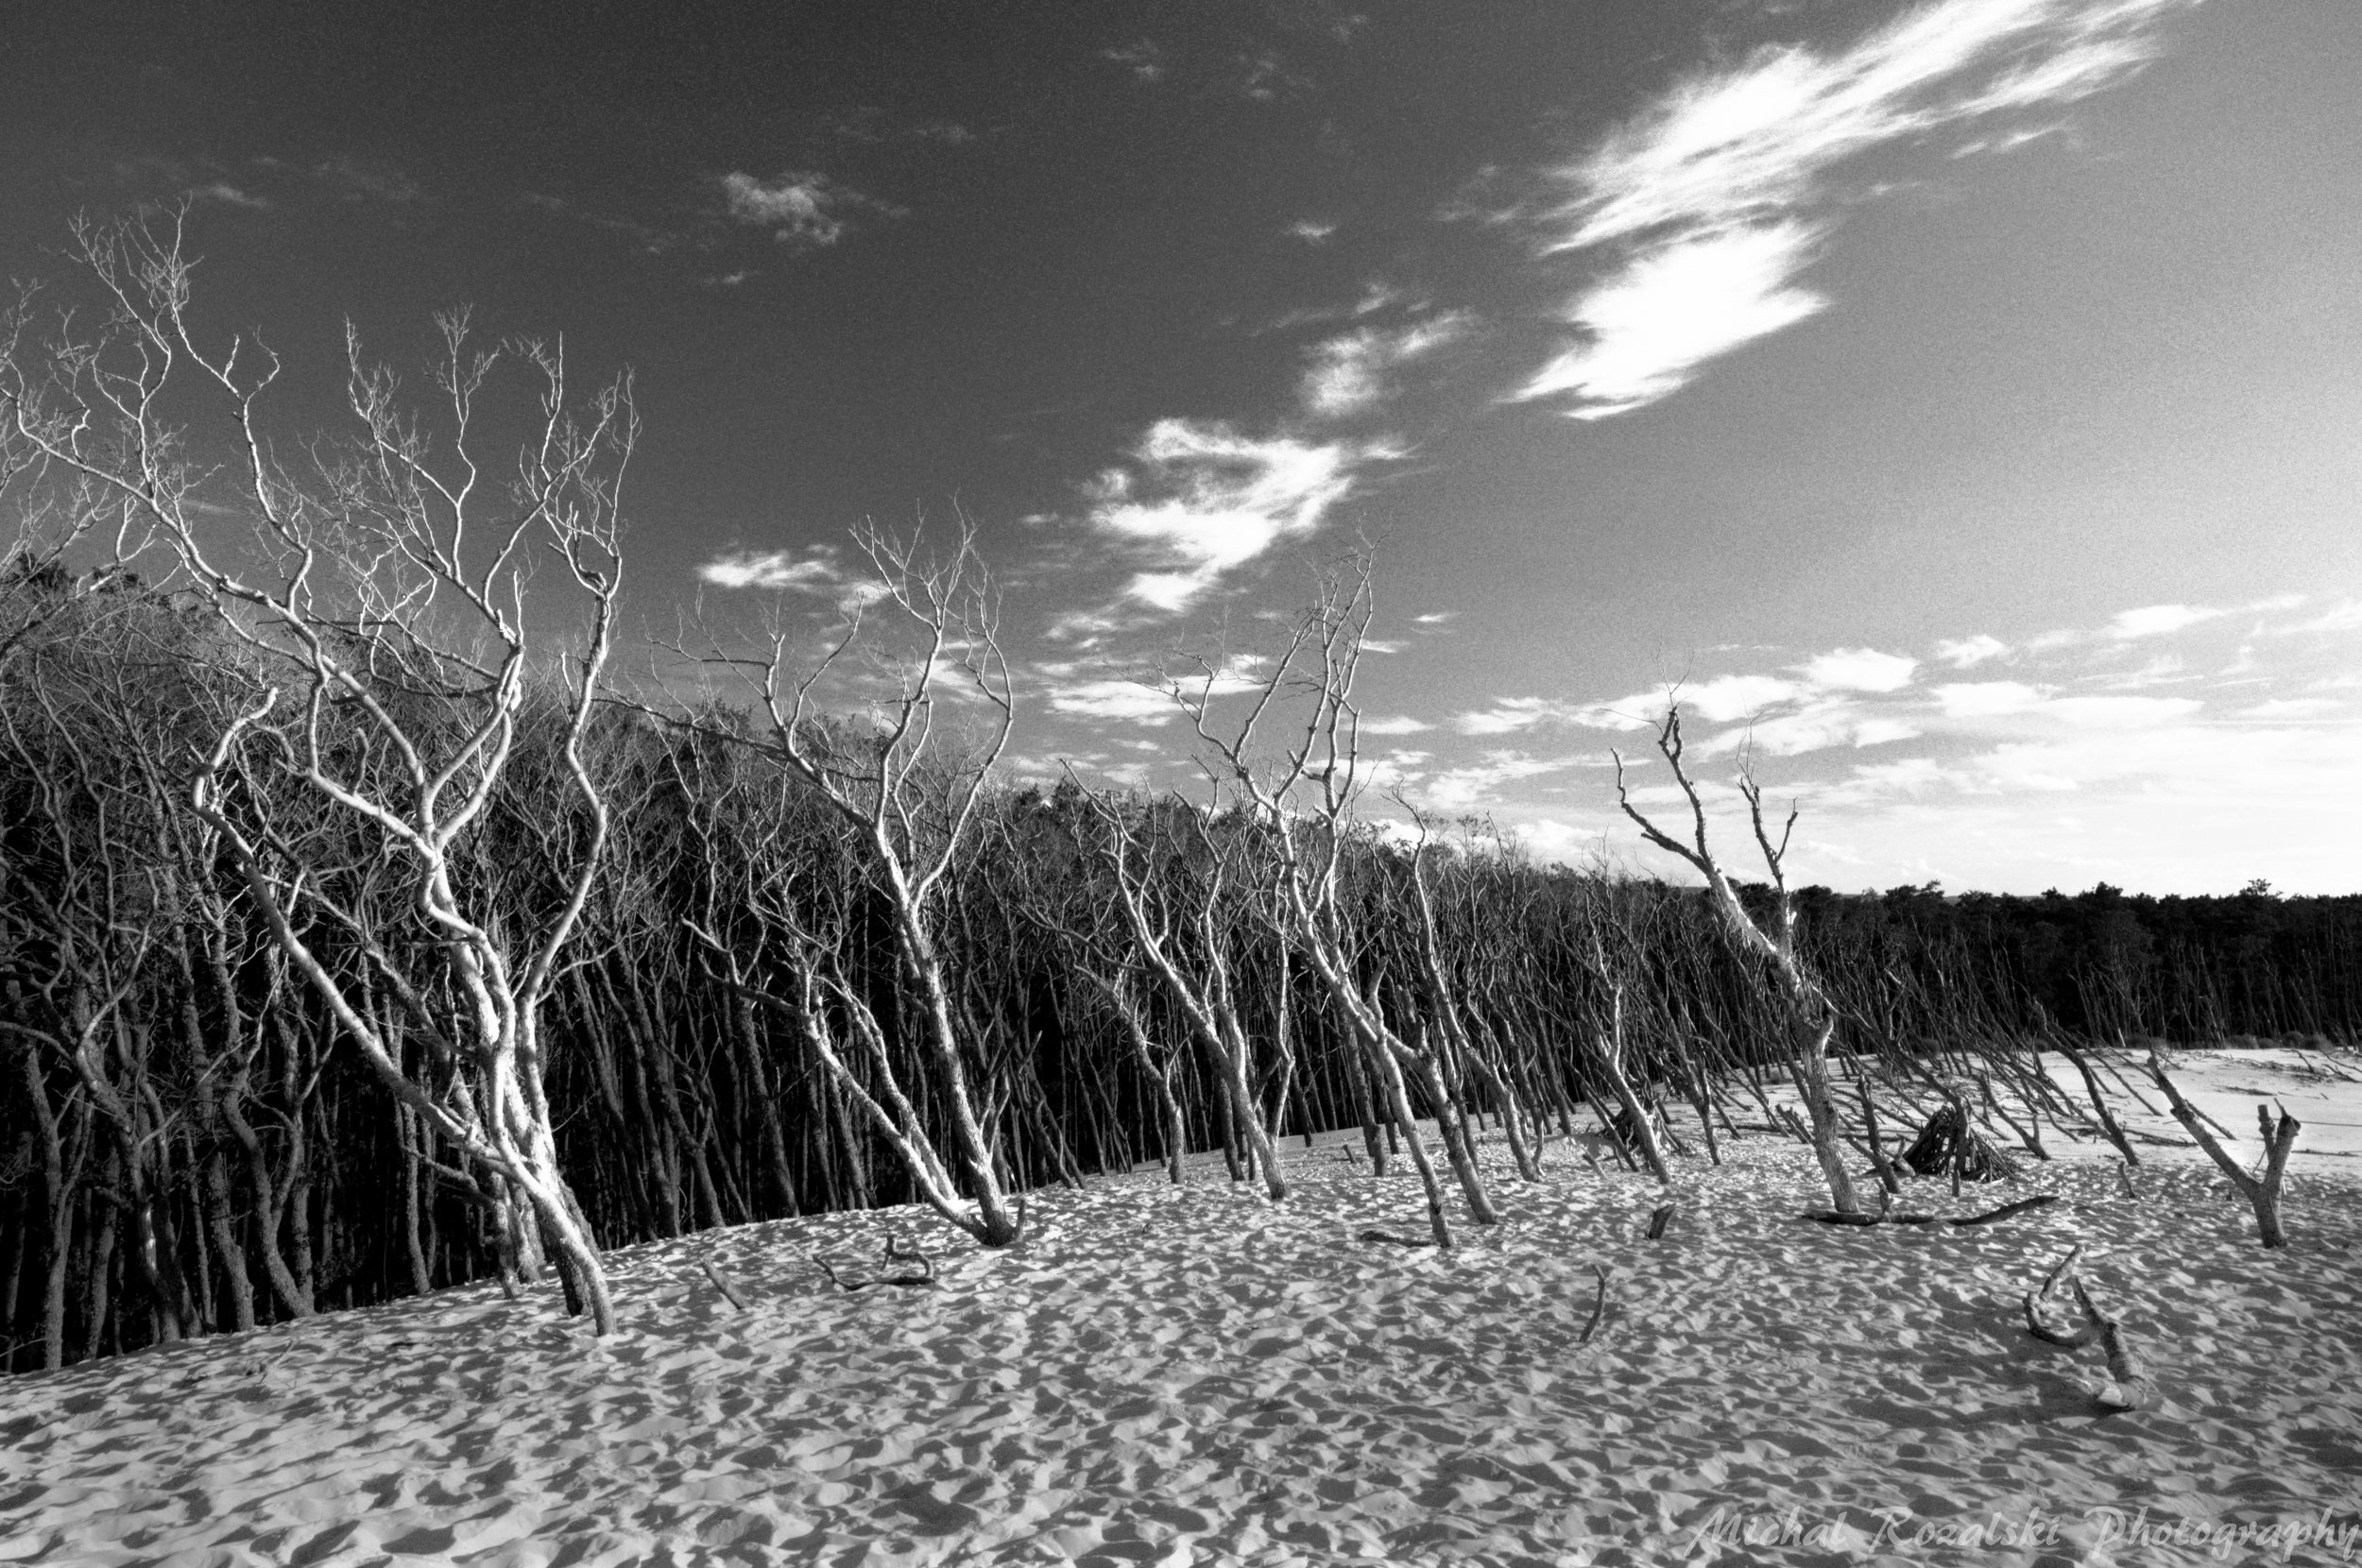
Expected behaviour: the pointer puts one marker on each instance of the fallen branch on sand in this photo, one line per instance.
(2132, 1387)
(895, 1253)
(1835, 1217)
(2039, 1201)
(1376, 1235)
(1599, 1308)
(721, 1282)
(1658, 1221)
(2036, 1299)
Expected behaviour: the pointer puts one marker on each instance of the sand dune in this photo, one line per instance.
(1193, 1375)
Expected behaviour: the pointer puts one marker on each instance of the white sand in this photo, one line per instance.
(1161, 1375)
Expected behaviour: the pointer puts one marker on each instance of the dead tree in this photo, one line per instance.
(1812, 1018)
(1300, 803)
(1444, 996)
(389, 586)
(2262, 1188)
(906, 791)
(1206, 1000)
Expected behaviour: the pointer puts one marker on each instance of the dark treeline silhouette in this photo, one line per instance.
(190, 1146)
(359, 936)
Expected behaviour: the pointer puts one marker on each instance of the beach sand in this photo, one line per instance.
(1193, 1376)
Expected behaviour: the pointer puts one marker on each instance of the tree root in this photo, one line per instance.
(1658, 1221)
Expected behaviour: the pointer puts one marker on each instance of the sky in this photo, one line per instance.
(1956, 407)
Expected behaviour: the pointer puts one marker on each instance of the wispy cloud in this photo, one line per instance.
(1153, 701)
(2158, 619)
(801, 208)
(1966, 653)
(356, 180)
(1143, 58)
(1202, 500)
(1713, 198)
(1477, 783)
(228, 195)
(1860, 670)
(1671, 309)
(819, 572)
(1347, 373)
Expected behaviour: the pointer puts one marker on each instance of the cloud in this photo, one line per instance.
(222, 191)
(1512, 714)
(1459, 789)
(1115, 699)
(1144, 60)
(1861, 669)
(1713, 196)
(1731, 697)
(801, 208)
(355, 181)
(1986, 699)
(1310, 230)
(1348, 373)
(1203, 500)
(2156, 620)
(1396, 724)
(1546, 839)
(819, 572)
(1672, 308)
(1966, 653)
(1153, 702)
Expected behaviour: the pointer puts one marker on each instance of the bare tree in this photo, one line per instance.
(1811, 1016)
(1302, 801)
(1151, 907)
(390, 583)
(907, 792)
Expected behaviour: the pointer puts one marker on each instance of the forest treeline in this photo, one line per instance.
(362, 933)
(188, 1144)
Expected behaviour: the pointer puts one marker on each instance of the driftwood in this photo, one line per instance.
(2262, 1193)
(2039, 1201)
(896, 1254)
(1886, 1216)
(721, 1282)
(1599, 1308)
(1395, 1238)
(1843, 1217)
(2036, 1300)
(2132, 1386)
(1658, 1221)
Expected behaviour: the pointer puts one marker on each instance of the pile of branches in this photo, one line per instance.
(1948, 1144)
